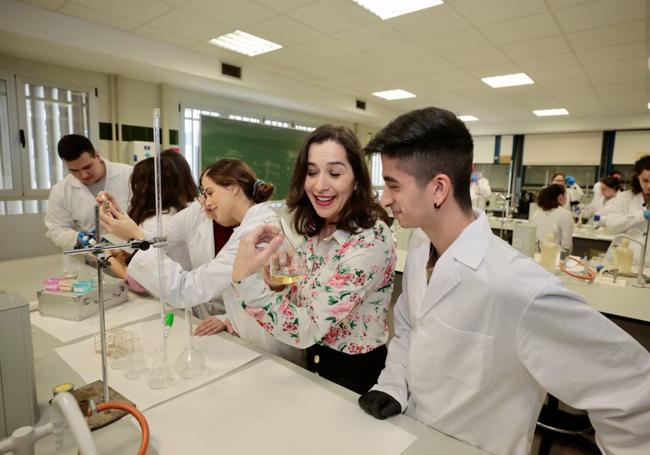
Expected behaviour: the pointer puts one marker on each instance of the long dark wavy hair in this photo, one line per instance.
(177, 186)
(361, 211)
(642, 164)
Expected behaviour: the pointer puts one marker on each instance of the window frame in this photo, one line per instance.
(14, 139)
(93, 126)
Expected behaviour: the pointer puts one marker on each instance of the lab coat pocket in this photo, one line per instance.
(460, 354)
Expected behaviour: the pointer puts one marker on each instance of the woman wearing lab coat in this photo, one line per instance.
(604, 193)
(573, 191)
(178, 191)
(337, 309)
(629, 211)
(552, 217)
(233, 197)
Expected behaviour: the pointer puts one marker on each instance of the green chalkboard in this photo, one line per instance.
(269, 150)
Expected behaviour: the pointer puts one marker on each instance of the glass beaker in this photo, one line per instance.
(286, 266)
(190, 363)
(137, 364)
(160, 376)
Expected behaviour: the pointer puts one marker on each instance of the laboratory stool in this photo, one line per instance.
(571, 429)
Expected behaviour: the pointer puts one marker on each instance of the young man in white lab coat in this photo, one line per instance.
(478, 344)
(71, 206)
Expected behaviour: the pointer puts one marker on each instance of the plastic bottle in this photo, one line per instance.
(549, 253)
(624, 256)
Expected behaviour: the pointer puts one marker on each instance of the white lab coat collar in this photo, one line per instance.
(468, 249)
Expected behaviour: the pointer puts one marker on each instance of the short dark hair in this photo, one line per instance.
(642, 164)
(71, 146)
(361, 210)
(611, 182)
(556, 174)
(430, 142)
(232, 171)
(547, 197)
(178, 188)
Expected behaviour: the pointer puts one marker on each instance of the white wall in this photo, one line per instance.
(629, 146)
(563, 149)
(484, 149)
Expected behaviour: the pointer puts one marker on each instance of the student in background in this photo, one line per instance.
(479, 342)
(479, 189)
(573, 190)
(337, 310)
(604, 192)
(552, 217)
(71, 205)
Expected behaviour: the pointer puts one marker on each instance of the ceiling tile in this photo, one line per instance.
(194, 27)
(283, 5)
(372, 36)
(49, 4)
(325, 47)
(619, 78)
(331, 16)
(557, 4)
(537, 48)
(478, 57)
(628, 32)
(568, 74)
(175, 3)
(236, 13)
(600, 14)
(493, 69)
(99, 17)
(413, 55)
(358, 60)
(164, 36)
(522, 29)
(432, 21)
(283, 30)
(549, 62)
(320, 70)
(451, 43)
(287, 58)
(613, 53)
(639, 64)
(348, 79)
(481, 12)
(140, 11)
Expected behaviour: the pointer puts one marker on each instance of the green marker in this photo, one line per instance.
(169, 321)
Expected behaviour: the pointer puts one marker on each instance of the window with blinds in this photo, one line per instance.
(33, 117)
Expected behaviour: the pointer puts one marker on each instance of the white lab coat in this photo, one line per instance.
(210, 277)
(624, 215)
(573, 194)
(71, 206)
(557, 221)
(480, 192)
(476, 348)
(598, 203)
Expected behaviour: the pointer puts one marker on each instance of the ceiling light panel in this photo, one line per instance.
(396, 94)
(550, 112)
(468, 118)
(386, 9)
(508, 80)
(245, 43)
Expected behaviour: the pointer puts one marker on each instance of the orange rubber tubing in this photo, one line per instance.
(144, 426)
(590, 275)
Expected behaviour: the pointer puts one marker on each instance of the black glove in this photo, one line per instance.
(379, 404)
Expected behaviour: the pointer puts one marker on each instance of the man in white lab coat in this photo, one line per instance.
(479, 189)
(71, 206)
(478, 344)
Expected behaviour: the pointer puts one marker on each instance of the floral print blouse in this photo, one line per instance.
(342, 300)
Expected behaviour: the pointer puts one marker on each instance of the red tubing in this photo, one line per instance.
(144, 426)
(589, 275)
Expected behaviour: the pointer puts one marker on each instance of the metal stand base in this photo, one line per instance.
(95, 391)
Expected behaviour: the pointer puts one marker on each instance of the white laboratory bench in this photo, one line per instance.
(23, 277)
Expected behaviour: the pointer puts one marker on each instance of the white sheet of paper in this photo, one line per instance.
(268, 408)
(128, 312)
(221, 357)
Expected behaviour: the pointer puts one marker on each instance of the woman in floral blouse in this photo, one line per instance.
(338, 309)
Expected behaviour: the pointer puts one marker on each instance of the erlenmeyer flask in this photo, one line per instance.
(286, 265)
(160, 376)
(190, 363)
